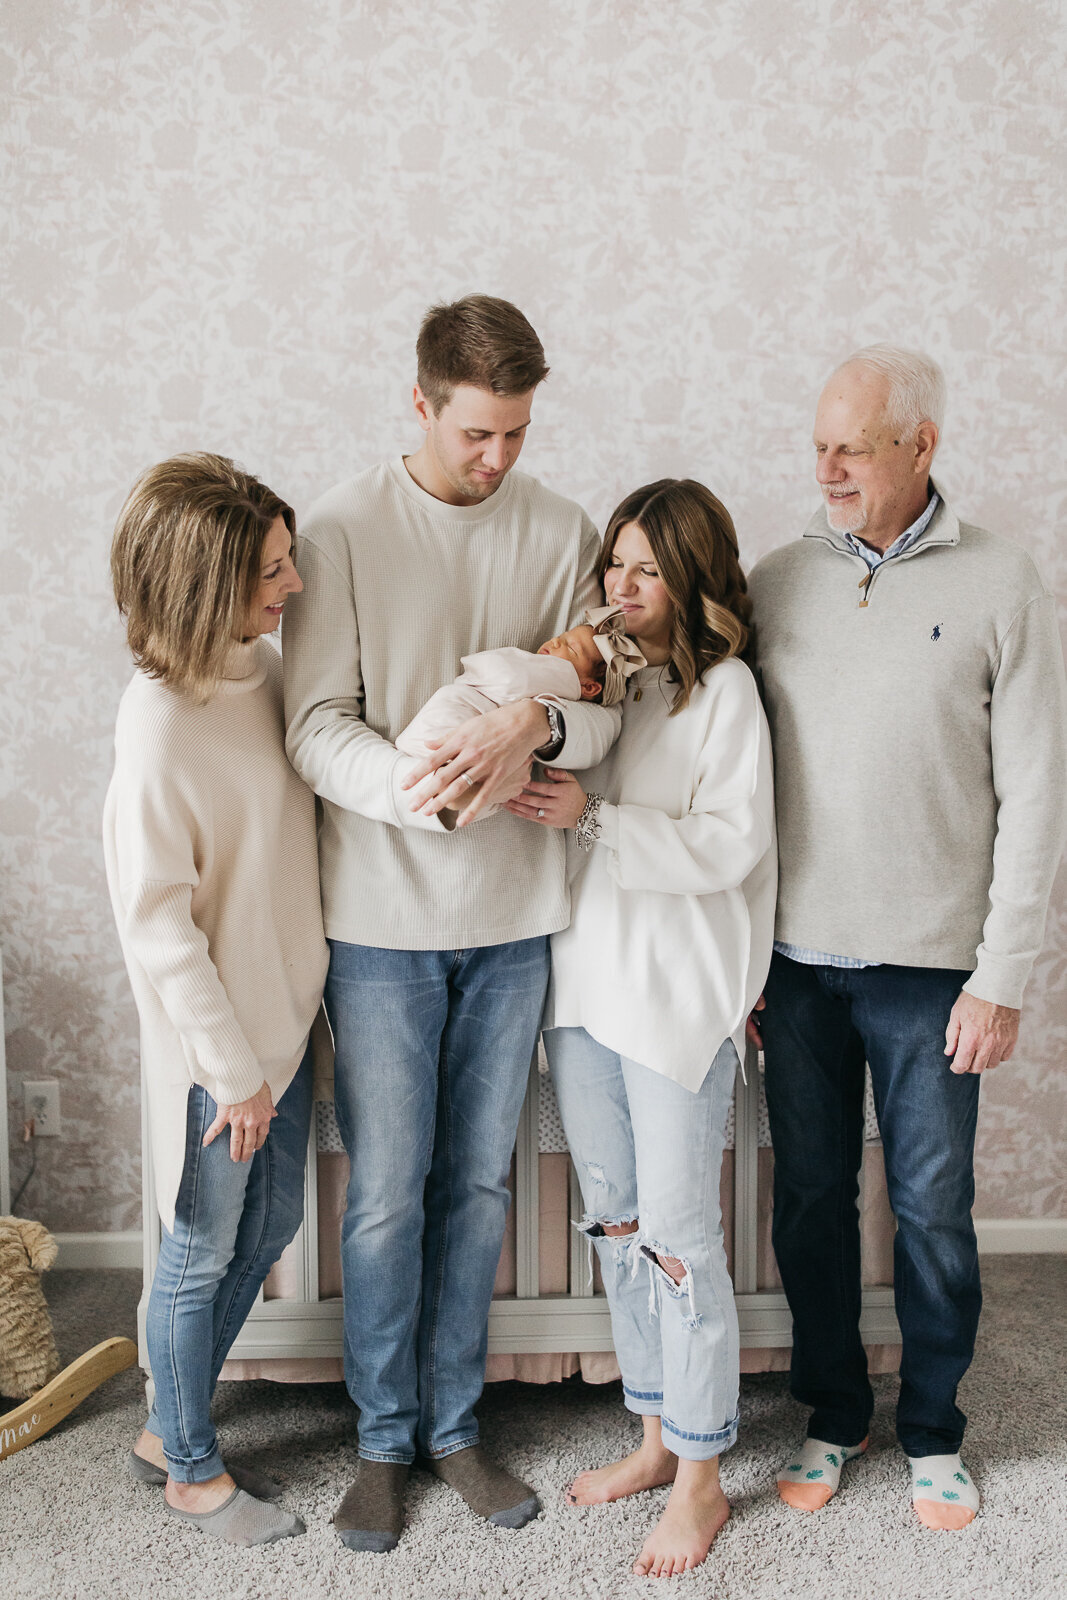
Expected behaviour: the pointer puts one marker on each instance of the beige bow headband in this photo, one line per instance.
(621, 654)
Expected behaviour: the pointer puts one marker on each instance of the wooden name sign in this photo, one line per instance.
(68, 1389)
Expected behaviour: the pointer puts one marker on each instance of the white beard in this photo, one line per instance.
(845, 518)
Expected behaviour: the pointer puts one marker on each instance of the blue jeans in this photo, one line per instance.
(433, 1051)
(645, 1148)
(819, 1026)
(232, 1221)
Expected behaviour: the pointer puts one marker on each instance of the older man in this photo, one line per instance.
(914, 683)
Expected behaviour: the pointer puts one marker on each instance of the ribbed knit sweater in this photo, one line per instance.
(920, 750)
(398, 587)
(209, 844)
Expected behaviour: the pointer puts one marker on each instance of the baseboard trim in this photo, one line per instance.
(997, 1236)
(1021, 1236)
(79, 1250)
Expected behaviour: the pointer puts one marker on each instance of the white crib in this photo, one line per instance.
(303, 1326)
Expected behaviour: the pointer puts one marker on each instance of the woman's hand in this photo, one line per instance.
(249, 1122)
(557, 803)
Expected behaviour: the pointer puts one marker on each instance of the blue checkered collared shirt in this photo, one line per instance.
(873, 558)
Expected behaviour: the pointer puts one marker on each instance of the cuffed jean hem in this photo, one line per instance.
(384, 1455)
(453, 1449)
(642, 1403)
(698, 1446)
(202, 1471)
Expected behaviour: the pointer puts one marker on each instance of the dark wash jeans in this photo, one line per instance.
(819, 1026)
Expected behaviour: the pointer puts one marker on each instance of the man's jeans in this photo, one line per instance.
(232, 1221)
(433, 1052)
(820, 1024)
(646, 1148)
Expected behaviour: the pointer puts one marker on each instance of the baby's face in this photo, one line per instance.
(577, 647)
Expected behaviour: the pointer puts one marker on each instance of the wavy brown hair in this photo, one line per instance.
(185, 561)
(693, 541)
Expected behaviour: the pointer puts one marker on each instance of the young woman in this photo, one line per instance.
(670, 939)
(209, 838)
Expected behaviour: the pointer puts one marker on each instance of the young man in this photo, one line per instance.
(914, 684)
(438, 929)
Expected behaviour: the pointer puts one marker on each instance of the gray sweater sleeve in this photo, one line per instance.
(1028, 742)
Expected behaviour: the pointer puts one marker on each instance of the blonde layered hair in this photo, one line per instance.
(185, 562)
(692, 539)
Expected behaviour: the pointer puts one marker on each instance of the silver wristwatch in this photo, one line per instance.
(587, 828)
(557, 733)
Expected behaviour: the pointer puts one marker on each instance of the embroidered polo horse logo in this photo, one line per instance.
(935, 636)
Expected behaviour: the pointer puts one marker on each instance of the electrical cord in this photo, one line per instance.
(27, 1138)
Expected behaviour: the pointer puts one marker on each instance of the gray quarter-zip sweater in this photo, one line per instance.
(919, 720)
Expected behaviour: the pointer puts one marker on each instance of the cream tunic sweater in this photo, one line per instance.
(673, 908)
(398, 587)
(209, 844)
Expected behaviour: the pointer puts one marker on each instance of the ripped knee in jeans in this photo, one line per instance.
(676, 1276)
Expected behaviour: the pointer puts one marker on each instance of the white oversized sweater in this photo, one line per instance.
(398, 587)
(209, 844)
(673, 908)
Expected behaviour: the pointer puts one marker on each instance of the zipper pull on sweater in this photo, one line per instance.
(865, 584)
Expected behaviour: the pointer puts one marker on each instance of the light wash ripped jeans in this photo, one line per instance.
(645, 1148)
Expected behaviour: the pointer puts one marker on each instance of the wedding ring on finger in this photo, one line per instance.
(540, 813)
(467, 779)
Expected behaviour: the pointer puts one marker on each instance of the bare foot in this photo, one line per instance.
(150, 1448)
(686, 1531)
(647, 1468)
(200, 1497)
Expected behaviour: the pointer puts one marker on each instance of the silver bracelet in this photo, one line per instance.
(587, 828)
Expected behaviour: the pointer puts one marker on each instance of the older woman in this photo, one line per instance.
(670, 938)
(209, 838)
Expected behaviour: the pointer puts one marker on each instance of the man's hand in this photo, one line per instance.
(752, 1027)
(249, 1122)
(980, 1034)
(486, 761)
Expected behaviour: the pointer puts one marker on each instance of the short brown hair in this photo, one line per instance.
(692, 538)
(478, 340)
(185, 562)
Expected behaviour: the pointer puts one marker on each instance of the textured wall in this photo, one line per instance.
(224, 221)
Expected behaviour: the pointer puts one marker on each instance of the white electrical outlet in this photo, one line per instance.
(41, 1102)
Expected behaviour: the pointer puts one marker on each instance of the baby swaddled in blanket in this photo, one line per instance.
(592, 661)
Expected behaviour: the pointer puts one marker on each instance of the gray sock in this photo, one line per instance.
(257, 1484)
(371, 1515)
(490, 1492)
(242, 1520)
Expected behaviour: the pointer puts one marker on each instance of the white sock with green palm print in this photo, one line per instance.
(811, 1477)
(942, 1491)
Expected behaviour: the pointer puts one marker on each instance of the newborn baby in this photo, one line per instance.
(589, 662)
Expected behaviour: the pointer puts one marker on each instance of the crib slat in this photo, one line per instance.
(746, 1175)
(527, 1194)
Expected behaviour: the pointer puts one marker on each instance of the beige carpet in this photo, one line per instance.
(73, 1528)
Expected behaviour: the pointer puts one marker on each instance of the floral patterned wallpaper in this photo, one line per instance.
(222, 223)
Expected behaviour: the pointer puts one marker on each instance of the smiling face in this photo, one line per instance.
(632, 581)
(471, 444)
(278, 578)
(874, 481)
(577, 647)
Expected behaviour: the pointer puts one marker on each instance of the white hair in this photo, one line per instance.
(916, 384)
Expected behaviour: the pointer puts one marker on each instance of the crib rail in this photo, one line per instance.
(530, 1322)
